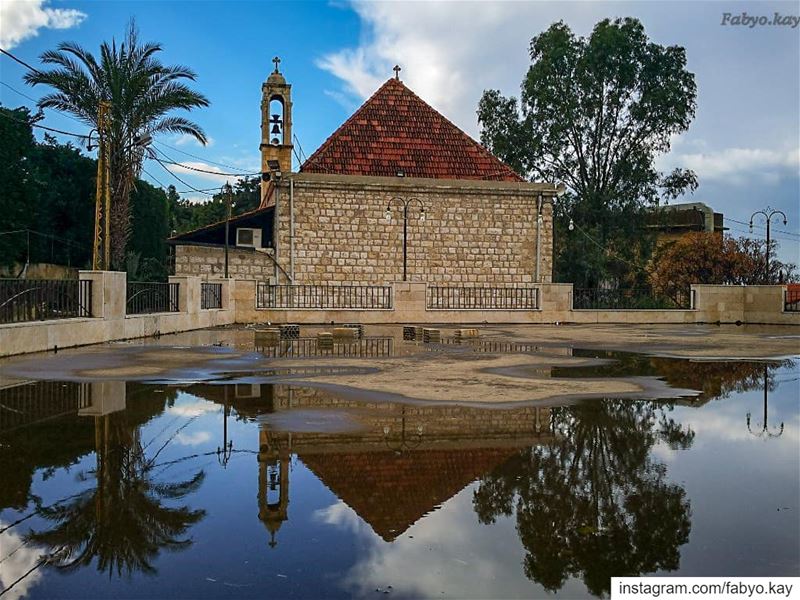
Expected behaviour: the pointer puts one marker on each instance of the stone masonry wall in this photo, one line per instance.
(209, 261)
(480, 233)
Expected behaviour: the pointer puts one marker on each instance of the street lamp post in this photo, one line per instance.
(228, 191)
(768, 214)
(765, 432)
(404, 443)
(405, 203)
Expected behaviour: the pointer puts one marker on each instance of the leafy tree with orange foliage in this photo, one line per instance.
(713, 258)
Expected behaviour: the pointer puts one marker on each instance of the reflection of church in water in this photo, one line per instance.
(274, 462)
(399, 464)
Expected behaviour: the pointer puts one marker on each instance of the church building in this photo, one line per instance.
(396, 193)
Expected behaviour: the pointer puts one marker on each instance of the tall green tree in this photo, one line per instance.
(186, 215)
(19, 195)
(48, 190)
(66, 179)
(594, 114)
(593, 503)
(47, 196)
(147, 252)
(141, 91)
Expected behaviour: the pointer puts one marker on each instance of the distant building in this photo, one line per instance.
(673, 221)
(340, 220)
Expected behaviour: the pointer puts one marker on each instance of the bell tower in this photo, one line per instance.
(276, 124)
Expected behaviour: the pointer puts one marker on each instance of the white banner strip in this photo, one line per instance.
(707, 588)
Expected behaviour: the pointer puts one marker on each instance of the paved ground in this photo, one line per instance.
(513, 364)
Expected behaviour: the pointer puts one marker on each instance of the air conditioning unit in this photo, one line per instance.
(248, 390)
(248, 238)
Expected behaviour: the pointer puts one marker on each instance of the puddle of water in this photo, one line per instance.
(246, 489)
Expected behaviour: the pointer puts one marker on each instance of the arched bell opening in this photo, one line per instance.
(277, 131)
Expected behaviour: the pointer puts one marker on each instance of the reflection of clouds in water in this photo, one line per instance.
(193, 439)
(449, 555)
(193, 409)
(342, 516)
(16, 561)
(726, 420)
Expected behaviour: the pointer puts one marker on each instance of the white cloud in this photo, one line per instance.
(208, 172)
(479, 561)
(194, 409)
(22, 19)
(738, 165)
(18, 558)
(193, 439)
(184, 138)
(449, 52)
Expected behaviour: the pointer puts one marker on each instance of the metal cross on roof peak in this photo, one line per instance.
(277, 61)
(397, 70)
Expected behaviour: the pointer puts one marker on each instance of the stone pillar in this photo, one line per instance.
(555, 301)
(718, 303)
(109, 293)
(228, 286)
(409, 301)
(107, 397)
(188, 293)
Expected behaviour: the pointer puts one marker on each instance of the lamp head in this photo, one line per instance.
(422, 214)
(571, 226)
(388, 214)
(143, 140)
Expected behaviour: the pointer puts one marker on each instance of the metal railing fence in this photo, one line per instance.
(360, 297)
(210, 295)
(44, 299)
(144, 297)
(791, 301)
(485, 298)
(628, 299)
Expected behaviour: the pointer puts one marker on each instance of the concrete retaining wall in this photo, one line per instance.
(713, 304)
(109, 321)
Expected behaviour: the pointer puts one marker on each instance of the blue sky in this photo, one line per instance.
(744, 142)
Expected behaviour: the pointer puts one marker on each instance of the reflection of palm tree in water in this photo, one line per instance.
(122, 521)
(593, 503)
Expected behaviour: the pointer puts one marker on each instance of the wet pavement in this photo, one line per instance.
(228, 471)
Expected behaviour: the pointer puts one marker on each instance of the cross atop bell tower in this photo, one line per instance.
(276, 124)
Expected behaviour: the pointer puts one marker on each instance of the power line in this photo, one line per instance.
(172, 161)
(604, 249)
(61, 112)
(211, 189)
(45, 235)
(153, 177)
(774, 237)
(16, 91)
(199, 157)
(20, 61)
(760, 226)
(159, 182)
(163, 166)
(62, 132)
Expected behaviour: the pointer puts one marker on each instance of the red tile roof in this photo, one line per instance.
(393, 491)
(396, 131)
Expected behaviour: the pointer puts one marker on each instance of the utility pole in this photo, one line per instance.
(101, 249)
(228, 190)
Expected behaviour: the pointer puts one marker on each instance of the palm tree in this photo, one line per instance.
(125, 520)
(140, 92)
